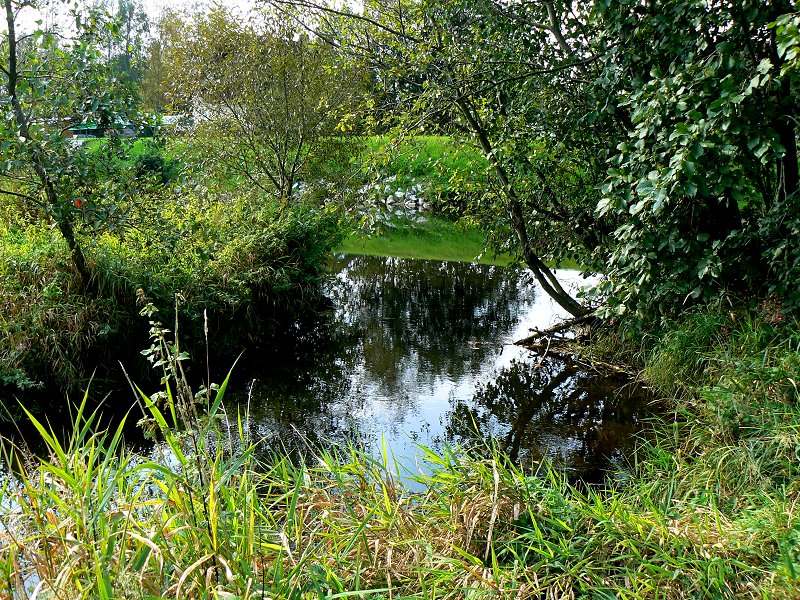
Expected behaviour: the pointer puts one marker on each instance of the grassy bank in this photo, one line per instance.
(449, 177)
(709, 509)
(431, 238)
(444, 166)
(234, 266)
(440, 171)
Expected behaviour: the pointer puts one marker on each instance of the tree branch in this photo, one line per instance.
(18, 195)
(541, 271)
(349, 15)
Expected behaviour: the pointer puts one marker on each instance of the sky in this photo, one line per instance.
(56, 11)
(155, 7)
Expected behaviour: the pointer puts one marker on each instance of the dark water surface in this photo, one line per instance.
(420, 352)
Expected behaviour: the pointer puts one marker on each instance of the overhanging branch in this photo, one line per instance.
(349, 15)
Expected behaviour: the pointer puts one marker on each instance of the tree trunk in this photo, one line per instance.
(23, 124)
(788, 175)
(541, 271)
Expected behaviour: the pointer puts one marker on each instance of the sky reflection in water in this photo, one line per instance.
(420, 351)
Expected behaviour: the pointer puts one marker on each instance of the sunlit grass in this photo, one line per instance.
(434, 239)
(443, 163)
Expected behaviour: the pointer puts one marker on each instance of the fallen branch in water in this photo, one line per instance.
(558, 340)
(558, 330)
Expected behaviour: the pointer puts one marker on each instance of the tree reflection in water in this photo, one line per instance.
(414, 351)
(553, 410)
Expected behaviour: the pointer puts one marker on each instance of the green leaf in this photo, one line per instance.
(764, 66)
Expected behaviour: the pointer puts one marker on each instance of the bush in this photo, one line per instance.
(149, 159)
(252, 269)
(779, 232)
(246, 263)
(47, 328)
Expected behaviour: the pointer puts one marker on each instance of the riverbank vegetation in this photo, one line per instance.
(411, 204)
(447, 172)
(240, 268)
(708, 508)
(91, 228)
(669, 168)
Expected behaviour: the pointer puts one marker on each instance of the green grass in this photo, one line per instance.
(442, 162)
(709, 509)
(435, 239)
(451, 175)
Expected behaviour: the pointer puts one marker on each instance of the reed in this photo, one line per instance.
(708, 508)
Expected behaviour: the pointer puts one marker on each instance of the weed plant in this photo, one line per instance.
(709, 509)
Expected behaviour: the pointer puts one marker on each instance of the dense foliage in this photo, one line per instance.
(653, 142)
(50, 84)
(91, 226)
(706, 175)
(249, 269)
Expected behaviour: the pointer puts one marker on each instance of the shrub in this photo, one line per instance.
(252, 269)
(149, 159)
(46, 326)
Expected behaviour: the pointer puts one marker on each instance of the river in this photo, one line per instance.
(421, 352)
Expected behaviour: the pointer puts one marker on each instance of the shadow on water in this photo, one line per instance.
(420, 352)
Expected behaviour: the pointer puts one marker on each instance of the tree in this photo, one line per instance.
(267, 97)
(154, 85)
(653, 141)
(124, 44)
(47, 87)
(706, 179)
(492, 71)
